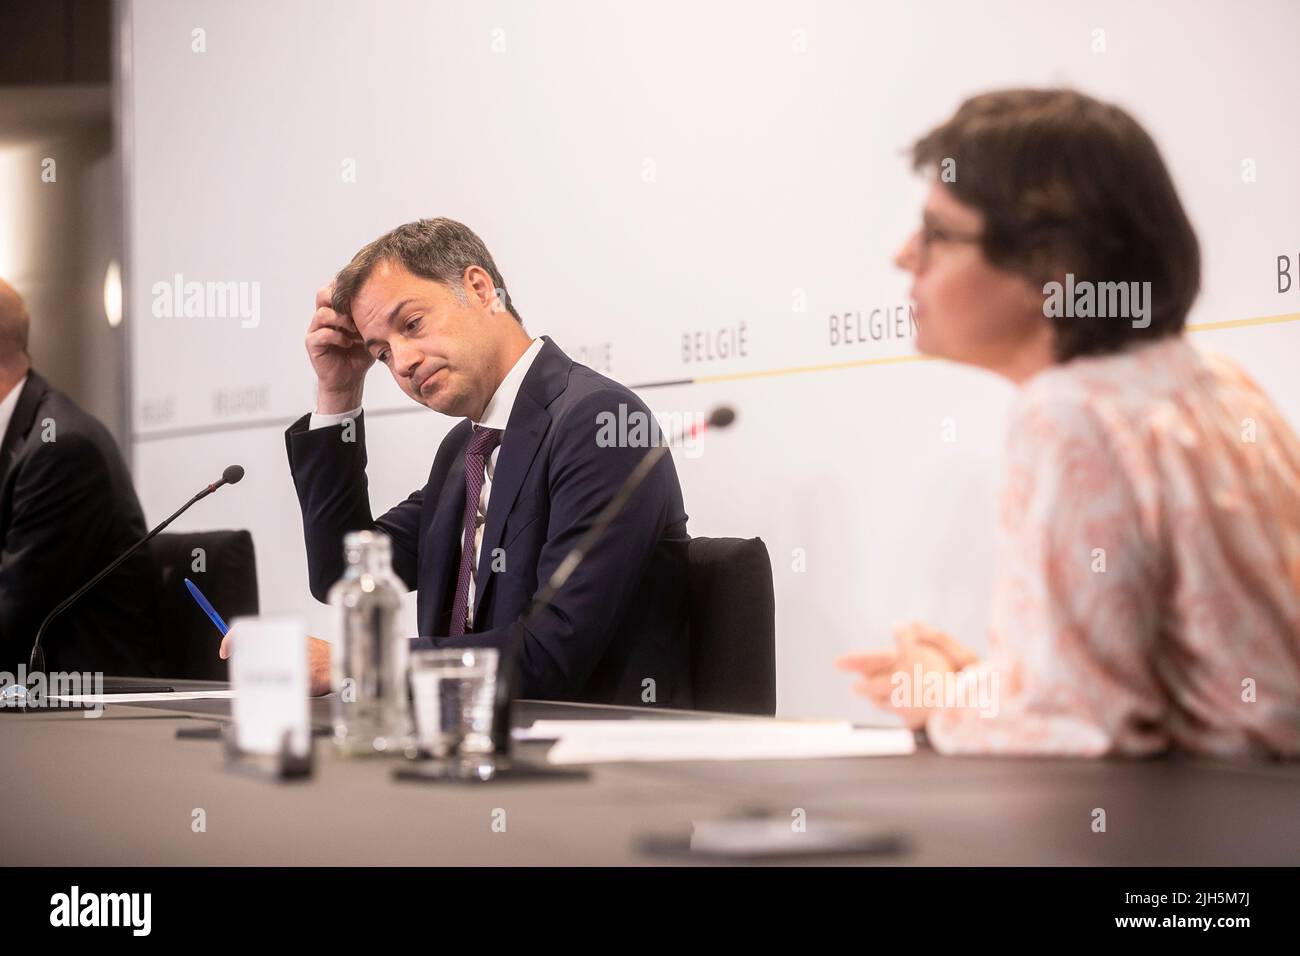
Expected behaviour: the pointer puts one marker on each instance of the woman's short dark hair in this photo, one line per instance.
(1068, 184)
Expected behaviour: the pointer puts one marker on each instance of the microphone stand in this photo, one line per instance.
(36, 663)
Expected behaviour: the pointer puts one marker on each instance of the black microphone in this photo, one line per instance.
(720, 417)
(36, 664)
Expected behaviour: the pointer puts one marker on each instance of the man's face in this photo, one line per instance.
(440, 349)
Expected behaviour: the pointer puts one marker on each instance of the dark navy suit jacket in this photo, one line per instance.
(68, 508)
(617, 631)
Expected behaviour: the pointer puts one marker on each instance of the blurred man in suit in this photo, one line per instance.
(67, 508)
(512, 488)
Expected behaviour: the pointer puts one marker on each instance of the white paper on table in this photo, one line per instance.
(553, 729)
(268, 678)
(144, 698)
(601, 741)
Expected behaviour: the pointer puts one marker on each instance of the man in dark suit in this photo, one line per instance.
(67, 508)
(513, 486)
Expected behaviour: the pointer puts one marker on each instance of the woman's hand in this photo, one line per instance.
(916, 646)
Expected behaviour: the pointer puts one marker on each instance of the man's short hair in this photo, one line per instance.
(1068, 183)
(438, 249)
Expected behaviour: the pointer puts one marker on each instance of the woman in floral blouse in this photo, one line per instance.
(1147, 591)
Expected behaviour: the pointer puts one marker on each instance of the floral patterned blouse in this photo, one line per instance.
(1147, 592)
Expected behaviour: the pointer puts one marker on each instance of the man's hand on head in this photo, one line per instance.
(338, 356)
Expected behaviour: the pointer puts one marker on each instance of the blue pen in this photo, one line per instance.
(208, 609)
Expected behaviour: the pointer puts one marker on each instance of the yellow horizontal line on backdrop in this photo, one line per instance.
(900, 359)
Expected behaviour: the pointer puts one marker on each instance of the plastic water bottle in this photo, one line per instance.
(371, 660)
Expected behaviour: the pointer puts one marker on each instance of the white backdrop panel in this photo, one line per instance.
(645, 173)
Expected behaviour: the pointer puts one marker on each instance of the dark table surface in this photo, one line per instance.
(124, 789)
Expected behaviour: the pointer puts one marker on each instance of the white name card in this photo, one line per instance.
(268, 673)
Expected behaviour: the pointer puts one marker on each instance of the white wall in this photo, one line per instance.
(642, 172)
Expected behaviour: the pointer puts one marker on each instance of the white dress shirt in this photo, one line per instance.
(496, 415)
(8, 404)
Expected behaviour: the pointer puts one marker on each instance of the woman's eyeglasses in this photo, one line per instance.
(931, 235)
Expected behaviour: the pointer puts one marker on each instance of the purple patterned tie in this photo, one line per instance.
(476, 456)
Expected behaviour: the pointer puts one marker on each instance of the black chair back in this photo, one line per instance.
(733, 626)
(222, 565)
